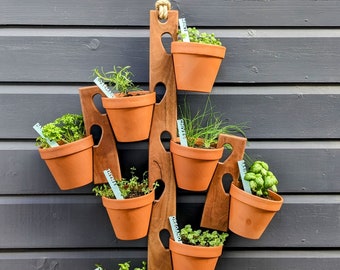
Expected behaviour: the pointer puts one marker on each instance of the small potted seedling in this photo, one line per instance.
(123, 266)
(66, 150)
(197, 249)
(128, 203)
(196, 158)
(129, 108)
(197, 58)
(252, 208)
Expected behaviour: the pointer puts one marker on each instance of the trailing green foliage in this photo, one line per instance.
(199, 37)
(202, 238)
(123, 266)
(119, 78)
(65, 129)
(261, 179)
(130, 188)
(203, 128)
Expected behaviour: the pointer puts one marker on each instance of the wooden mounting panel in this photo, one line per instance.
(164, 120)
(105, 154)
(216, 209)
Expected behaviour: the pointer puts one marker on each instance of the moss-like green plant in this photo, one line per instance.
(199, 37)
(123, 266)
(203, 128)
(204, 238)
(261, 179)
(120, 78)
(130, 188)
(65, 129)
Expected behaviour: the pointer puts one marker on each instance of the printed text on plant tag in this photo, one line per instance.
(37, 127)
(113, 184)
(184, 29)
(181, 132)
(175, 229)
(105, 89)
(242, 168)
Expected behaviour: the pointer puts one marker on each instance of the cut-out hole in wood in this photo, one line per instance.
(166, 41)
(160, 90)
(227, 179)
(97, 101)
(164, 236)
(165, 139)
(160, 189)
(96, 132)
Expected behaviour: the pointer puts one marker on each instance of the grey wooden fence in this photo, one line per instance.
(280, 76)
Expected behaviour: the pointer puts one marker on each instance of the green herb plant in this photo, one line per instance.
(120, 79)
(203, 128)
(204, 238)
(65, 129)
(124, 266)
(130, 188)
(199, 37)
(261, 179)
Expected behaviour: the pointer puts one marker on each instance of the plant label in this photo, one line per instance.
(37, 127)
(105, 89)
(181, 132)
(243, 170)
(184, 29)
(113, 184)
(175, 229)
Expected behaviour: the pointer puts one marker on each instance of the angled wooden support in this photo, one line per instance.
(164, 120)
(216, 209)
(105, 155)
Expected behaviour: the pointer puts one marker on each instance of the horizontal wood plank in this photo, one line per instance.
(248, 60)
(304, 221)
(134, 13)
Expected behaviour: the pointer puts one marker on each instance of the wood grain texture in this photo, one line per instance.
(132, 13)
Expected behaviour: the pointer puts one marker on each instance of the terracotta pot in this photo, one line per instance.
(190, 257)
(250, 215)
(130, 218)
(130, 117)
(196, 65)
(70, 164)
(194, 167)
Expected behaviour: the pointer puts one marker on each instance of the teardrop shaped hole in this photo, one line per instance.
(227, 179)
(97, 101)
(166, 41)
(160, 189)
(160, 90)
(164, 236)
(96, 132)
(165, 139)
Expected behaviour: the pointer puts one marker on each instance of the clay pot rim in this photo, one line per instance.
(130, 203)
(195, 153)
(178, 47)
(119, 102)
(195, 251)
(256, 201)
(66, 149)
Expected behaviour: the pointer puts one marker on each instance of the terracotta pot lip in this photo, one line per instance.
(67, 149)
(131, 203)
(148, 98)
(195, 251)
(256, 201)
(198, 48)
(195, 153)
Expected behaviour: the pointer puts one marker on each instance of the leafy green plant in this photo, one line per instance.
(204, 238)
(65, 129)
(119, 78)
(261, 179)
(130, 188)
(203, 128)
(123, 266)
(199, 37)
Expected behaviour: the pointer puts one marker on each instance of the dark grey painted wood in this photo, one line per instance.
(300, 167)
(81, 222)
(201, 13)
(248, 60)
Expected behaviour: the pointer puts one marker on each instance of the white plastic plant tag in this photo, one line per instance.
(113, 184)
(37, 127)
(184, 29)
(243, 170)
(174, 228)
(181, 132)
(106, 90)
